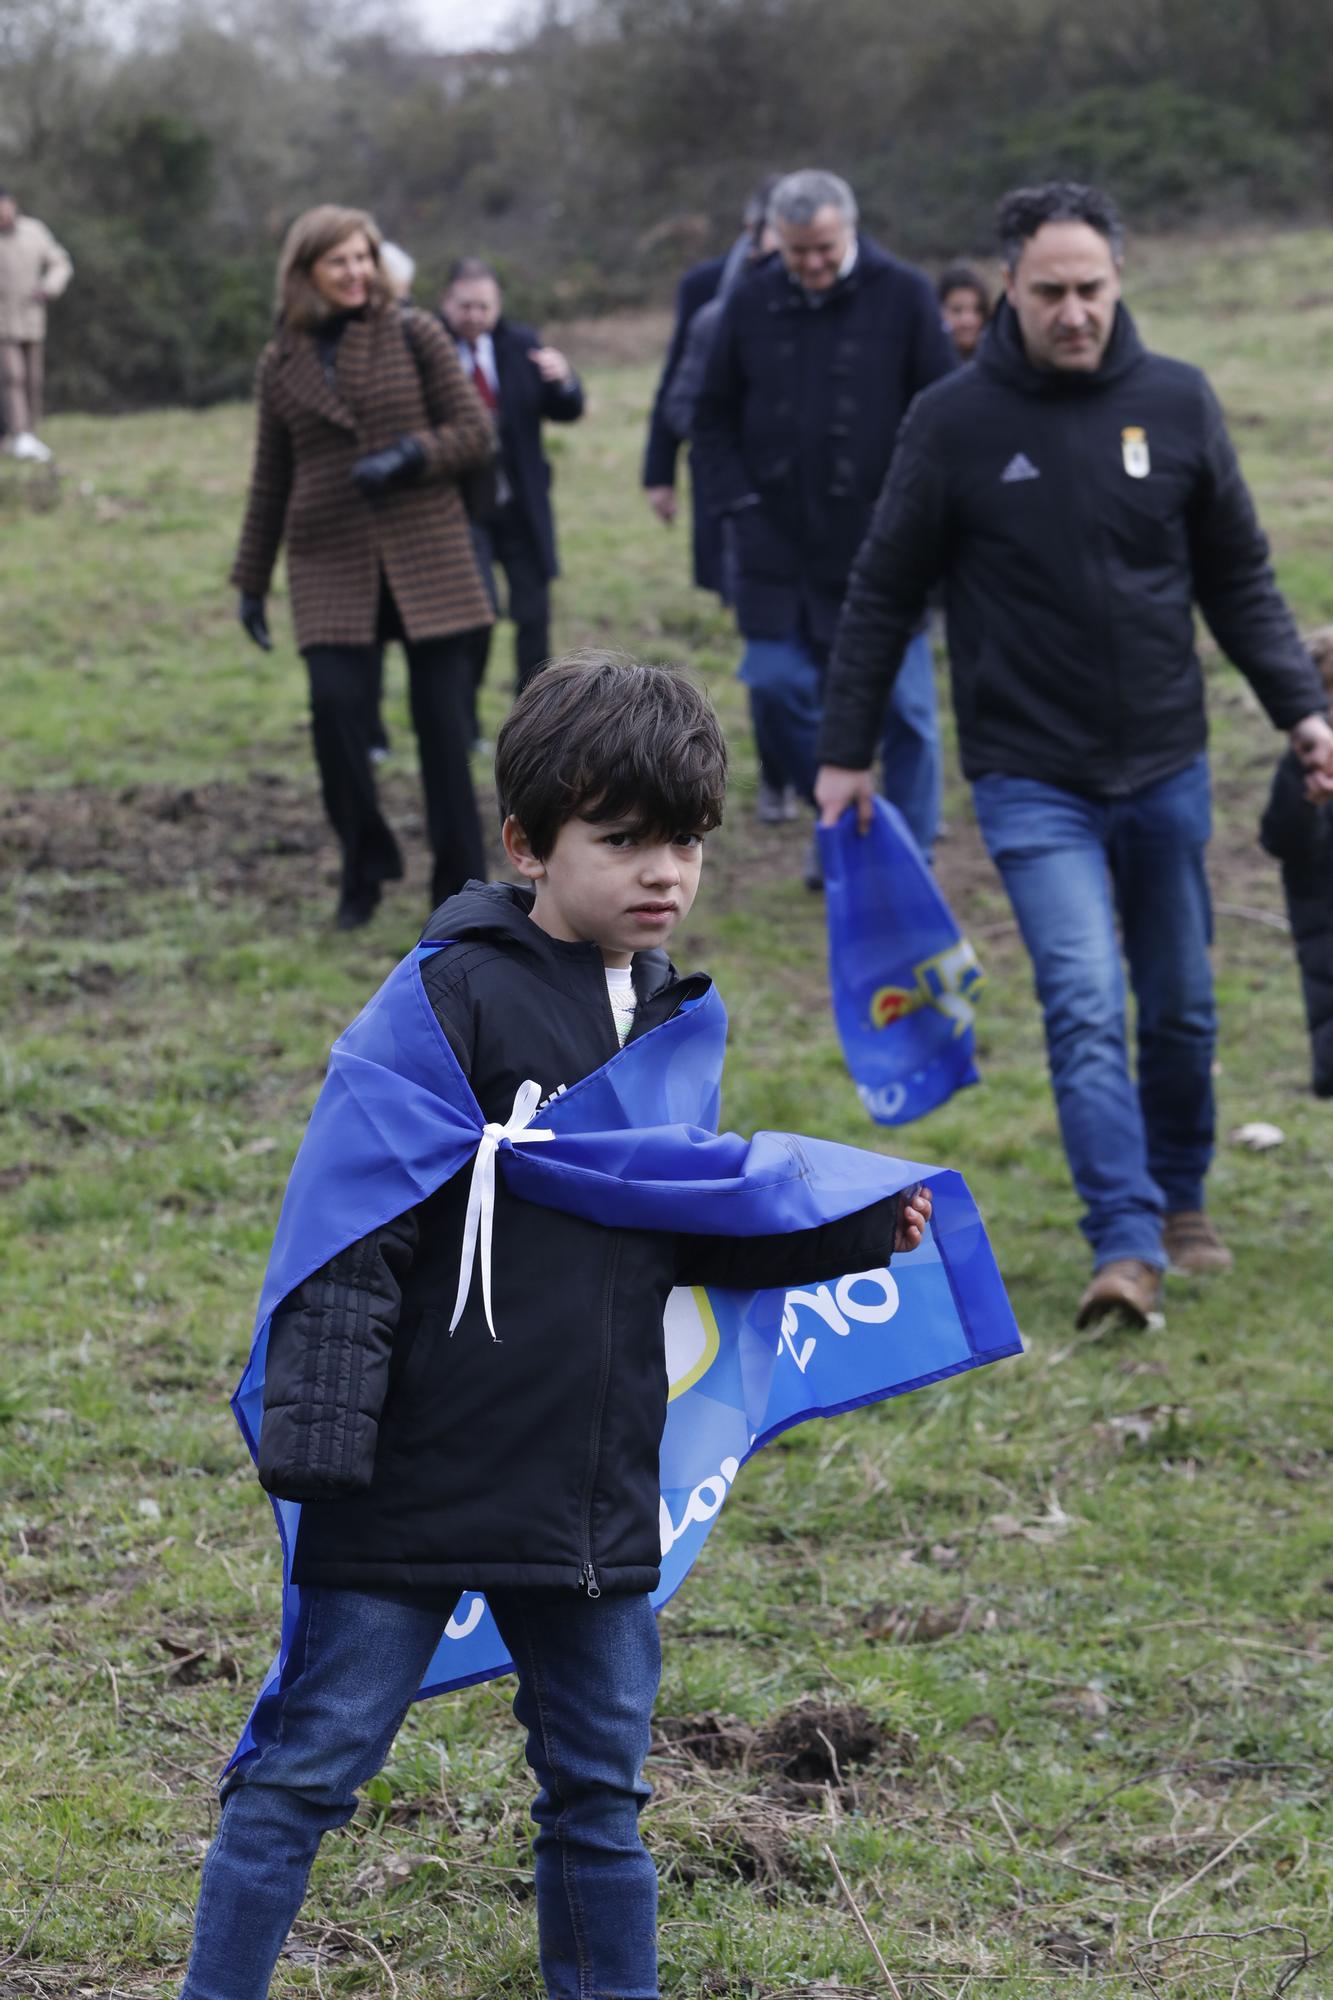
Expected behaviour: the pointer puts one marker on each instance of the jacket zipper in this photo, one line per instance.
(1098, 536)
(588, 1574)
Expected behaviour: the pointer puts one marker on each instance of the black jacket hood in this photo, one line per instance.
(1003, 356)
(500, 913)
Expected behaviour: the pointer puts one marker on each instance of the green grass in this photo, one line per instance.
(1064, 1624)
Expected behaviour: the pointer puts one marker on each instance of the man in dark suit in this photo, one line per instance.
(522, 382)
(699, 284)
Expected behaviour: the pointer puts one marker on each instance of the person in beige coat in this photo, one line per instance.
(33, 270)
(366, 424)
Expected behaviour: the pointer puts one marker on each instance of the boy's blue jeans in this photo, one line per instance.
(786, 686)
(1069, 865)
(588, 1672)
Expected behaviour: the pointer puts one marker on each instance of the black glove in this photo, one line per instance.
(397, 465)
(250, 611)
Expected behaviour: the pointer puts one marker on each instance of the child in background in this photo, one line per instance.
(1300, 836)
(428, 1461)
(964, 307)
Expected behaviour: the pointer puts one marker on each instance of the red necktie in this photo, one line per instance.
(482, 381)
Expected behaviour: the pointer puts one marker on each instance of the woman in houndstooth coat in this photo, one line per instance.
(366, 424)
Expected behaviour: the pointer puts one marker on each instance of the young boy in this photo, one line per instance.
(1300, 835)
(525, 1465)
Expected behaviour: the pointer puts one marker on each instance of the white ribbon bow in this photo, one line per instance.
(480, 1217)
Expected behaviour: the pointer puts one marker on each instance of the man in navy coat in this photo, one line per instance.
(522, 382)
(699, 284)
(817, 357)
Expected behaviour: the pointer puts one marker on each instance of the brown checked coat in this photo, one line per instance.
(309, 437)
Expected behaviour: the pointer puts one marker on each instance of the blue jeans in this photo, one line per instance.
(1069, 865)
(588, 1671)
(786, 686)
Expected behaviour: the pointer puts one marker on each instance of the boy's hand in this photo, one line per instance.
(913, 1215)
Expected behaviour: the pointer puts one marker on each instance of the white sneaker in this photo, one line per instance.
(775, 805)
(25, 445)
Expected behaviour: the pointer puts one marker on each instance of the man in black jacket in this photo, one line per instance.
(522, 382)
(816, 358)
(1077, 495)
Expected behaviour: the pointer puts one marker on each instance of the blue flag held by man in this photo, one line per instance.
(903, 977)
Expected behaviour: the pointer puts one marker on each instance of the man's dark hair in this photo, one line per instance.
(600, 737)
(962, 277)
(464, 268)
(1023, 211)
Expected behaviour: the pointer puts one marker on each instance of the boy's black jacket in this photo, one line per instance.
(429, 1462)
(1070, 584)
(1300, 834)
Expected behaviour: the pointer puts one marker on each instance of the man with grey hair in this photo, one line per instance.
(1078, 496)
(816, 359)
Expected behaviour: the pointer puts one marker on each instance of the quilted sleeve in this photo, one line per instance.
(328, 1369)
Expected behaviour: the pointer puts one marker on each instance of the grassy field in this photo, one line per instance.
(1040, 1656)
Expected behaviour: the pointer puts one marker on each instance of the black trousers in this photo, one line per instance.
(507, 541)
(342, 682)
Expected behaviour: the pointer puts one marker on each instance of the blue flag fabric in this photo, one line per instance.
(904, 979)
(635, 1145)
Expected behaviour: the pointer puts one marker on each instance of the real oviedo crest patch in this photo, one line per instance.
(1134, 451)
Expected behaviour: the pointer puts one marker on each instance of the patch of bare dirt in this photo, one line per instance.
(811, 1745)
(27, 487)
(92, 858)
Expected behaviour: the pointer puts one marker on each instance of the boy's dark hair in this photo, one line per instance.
(1023, 211)
(598, 736)
(962, 277)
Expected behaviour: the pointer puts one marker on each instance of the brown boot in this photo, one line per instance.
(1127, 1288)
(1192, 1244)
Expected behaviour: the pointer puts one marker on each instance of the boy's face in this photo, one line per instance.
(609, 885)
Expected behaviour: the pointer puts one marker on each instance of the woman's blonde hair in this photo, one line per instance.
(312, 236)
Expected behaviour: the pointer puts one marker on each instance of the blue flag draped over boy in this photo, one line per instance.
(634, 1144)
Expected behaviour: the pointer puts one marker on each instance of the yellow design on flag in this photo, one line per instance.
(948, 981)
(692, 1338)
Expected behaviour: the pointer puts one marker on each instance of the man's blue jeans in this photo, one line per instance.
(1070, 864)
(588, 1671)
(786, 686)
